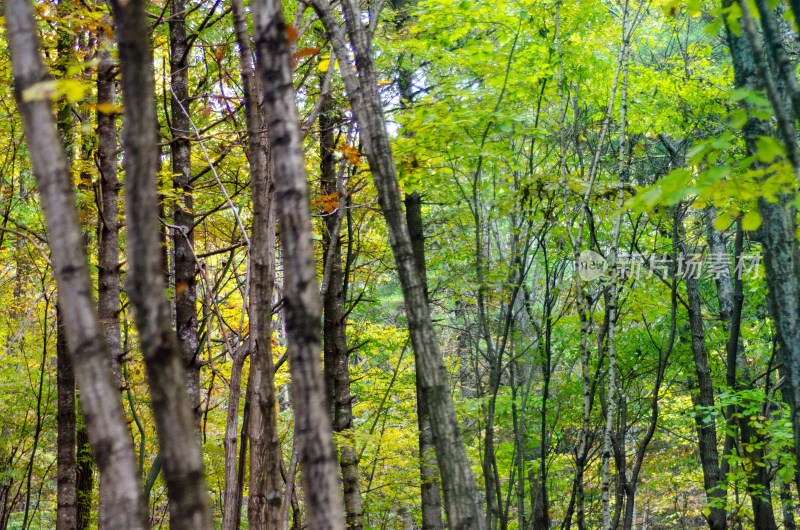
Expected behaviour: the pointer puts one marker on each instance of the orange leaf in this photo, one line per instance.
(291, 32)
(305, 52)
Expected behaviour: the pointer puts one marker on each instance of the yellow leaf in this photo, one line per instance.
(108, 108)
(40, 91)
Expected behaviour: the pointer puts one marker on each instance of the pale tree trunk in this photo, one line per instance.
(101, 401)
(301, 295)
(611, 308)
(231, 515)
(265, 495)
(179, 446)
(334, 327)
(462, 501)
(183, 214)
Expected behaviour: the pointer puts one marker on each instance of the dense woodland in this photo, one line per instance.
(528, 264)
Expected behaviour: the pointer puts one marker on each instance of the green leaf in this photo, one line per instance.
(723, 221)
(751, 221)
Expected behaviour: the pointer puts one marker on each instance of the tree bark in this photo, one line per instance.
(462, 501)
(85, 480)
(66, 478)
(781, 253)
(334, 327)
(179, 445)
(108, 270)
(703, 400)
(266, 495)
(102, 403)
(431, 498)
(182, 213)
(301, 294)
(230, 515)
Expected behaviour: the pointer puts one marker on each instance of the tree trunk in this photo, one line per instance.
(230, 515)
(67, 500)
(179, 445)
(85, 480)
(431, 497)
(66, 478)
(334, 327)
(301, 294)
(781, 255)
(108, 270)
(183, 214)
(266, 495)
(703, 401)
(102, 403)
(462, 502)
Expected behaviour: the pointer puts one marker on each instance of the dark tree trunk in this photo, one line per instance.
(85, 484)
(430, 495)
(781, 254)
(462, 502)
(334, 327)
(183, 214)
(102, 403)
(429, 474)
(703, 400)
(730, 296)
(66, 491)
(301, 295)
(108, 270)
(67, 495)
(179, 445)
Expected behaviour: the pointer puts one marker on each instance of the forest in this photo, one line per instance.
(404, 264)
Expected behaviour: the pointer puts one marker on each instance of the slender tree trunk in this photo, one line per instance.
(431, 498)
(85, 480)
(230, 515)
(301, 294)
(787, 504)
(108, 273)
(266, 488)
(102, 403)
(179, 445)
(183, 214)
(67, 505)
(430, 494)
(462, 502)
(334, 327)
(66, 492)
(703, 400)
